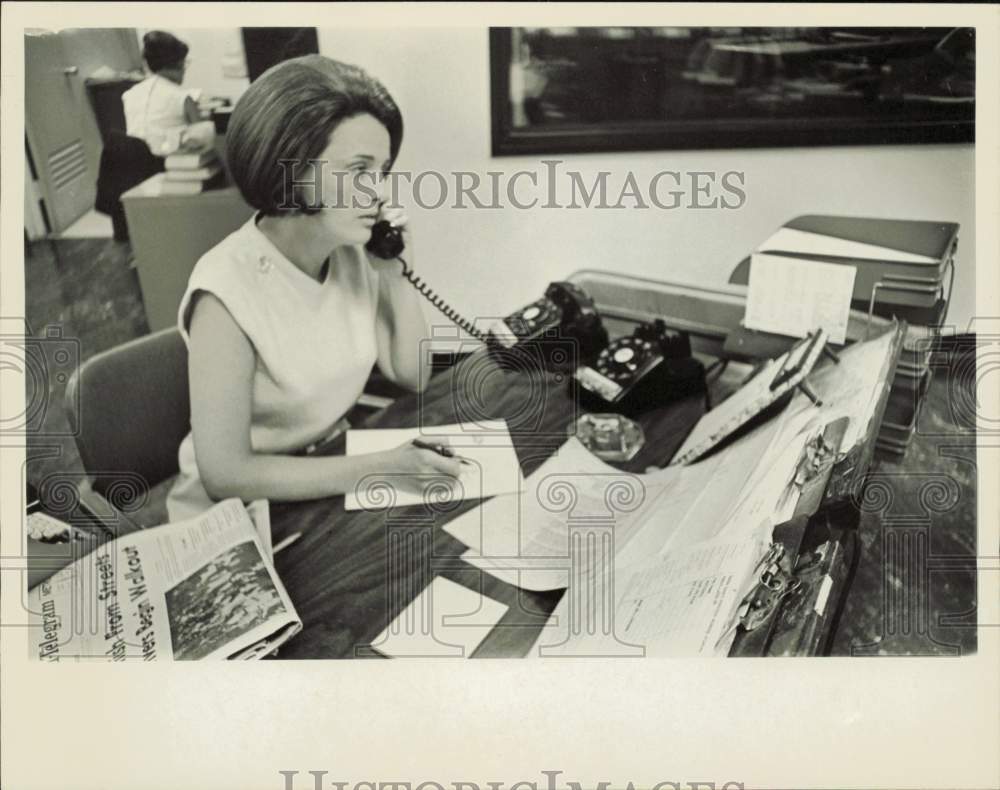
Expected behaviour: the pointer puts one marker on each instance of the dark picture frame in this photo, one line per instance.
(611, 88)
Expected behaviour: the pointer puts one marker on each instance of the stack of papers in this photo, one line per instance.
(683, 539)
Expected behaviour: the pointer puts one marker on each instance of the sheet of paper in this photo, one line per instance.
(805, 242)
(529, 531)
(679, 604)
(524, 540)
(737, 486)
(493, 466)
(445, 620)
(793, 297)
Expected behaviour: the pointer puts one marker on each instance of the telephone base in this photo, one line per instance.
(670, 380)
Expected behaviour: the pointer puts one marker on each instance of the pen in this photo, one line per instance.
(284, 544)
(440, 449)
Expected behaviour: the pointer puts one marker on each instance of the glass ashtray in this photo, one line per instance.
(611, 437)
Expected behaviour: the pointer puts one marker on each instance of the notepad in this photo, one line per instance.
(493, 466)
(789, 296)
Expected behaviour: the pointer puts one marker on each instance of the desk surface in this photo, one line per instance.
(150, 188)
(336, 575)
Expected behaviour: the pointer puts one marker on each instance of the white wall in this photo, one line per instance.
(488, 262)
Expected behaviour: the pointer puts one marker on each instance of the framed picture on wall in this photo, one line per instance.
(578, 89)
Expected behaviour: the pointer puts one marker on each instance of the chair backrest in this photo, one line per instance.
(129, 409)
(125, 163)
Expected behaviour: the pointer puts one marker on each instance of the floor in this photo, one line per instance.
(92, 225)
(914, 589)
(86, 291)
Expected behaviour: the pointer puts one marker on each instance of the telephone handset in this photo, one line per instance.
(386, 241)
(565, 311)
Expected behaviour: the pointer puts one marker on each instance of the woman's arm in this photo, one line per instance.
(221, 367)
(191, 114)
(401, 325)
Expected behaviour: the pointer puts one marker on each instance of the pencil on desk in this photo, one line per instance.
(284, 544)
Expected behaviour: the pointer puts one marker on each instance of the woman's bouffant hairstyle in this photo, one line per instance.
(162, 50)
(289, 113)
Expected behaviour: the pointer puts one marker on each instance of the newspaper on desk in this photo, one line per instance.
(198, 589)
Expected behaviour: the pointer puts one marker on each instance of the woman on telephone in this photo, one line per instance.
(285, 318)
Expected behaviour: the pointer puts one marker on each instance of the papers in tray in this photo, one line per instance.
(804, 242)
(789, 296)
(493, 466)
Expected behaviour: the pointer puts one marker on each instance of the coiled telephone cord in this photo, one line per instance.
(428, 293)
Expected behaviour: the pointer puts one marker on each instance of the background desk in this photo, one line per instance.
(169, 234)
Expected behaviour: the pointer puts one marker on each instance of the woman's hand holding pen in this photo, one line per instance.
(417, 458)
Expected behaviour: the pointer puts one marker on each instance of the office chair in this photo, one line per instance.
(129, 410)
(125, 162)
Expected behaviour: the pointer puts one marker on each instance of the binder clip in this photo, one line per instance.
(773, 584)
(817, 455)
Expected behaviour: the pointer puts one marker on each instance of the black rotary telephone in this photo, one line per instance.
(565, 312)
(641, 372)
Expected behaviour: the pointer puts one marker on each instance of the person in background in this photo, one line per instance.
(158, 110)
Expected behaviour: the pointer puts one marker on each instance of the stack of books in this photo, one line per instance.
(190, 172)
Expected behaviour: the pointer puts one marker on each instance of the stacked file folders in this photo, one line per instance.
(189, 173)
(902, 264)
(904, 267)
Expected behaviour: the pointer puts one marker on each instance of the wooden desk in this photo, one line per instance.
(337, 574)
(169, 234)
